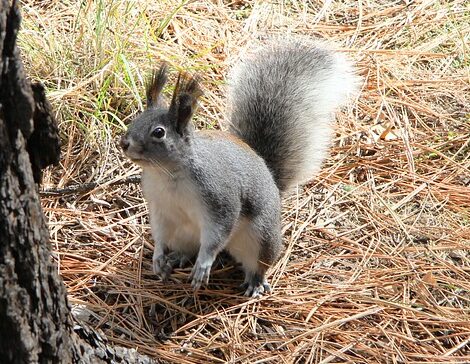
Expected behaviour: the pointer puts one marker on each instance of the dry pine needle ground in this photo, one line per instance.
(376, 266)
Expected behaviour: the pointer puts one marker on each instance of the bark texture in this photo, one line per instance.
(35, 323)
(35, 320)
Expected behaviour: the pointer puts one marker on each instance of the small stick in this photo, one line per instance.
(87, 187)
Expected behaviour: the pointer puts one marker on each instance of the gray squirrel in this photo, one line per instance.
(209, 191)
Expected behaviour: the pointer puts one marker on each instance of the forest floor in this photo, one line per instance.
(376, 265)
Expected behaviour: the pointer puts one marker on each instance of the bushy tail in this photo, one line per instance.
(282, 101)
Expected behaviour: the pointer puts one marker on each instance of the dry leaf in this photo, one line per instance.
(429, 279)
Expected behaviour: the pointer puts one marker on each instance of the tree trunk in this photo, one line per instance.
(35, 320)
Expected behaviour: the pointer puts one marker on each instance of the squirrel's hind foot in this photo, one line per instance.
(255, 285)
(164, 264)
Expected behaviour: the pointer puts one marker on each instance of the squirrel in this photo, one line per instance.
(209, 191)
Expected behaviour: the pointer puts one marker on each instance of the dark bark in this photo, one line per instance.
(35, 320)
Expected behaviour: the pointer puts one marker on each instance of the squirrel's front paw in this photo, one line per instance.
(200, 274)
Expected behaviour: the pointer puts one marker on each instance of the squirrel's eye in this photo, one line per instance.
(158, 132)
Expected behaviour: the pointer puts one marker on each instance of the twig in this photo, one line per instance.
(87, 187)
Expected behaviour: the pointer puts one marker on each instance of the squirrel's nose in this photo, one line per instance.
(124, 143)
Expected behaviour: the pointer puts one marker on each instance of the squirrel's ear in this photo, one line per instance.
(184, 101)
(155, 85)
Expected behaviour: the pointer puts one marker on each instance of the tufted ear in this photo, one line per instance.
(155, 85)
(184, 101)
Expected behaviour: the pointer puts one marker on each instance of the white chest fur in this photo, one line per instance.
(176, 211)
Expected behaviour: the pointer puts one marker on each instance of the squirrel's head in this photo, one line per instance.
(160, 136)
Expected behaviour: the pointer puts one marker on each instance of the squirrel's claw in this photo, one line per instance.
(256, 290)
(200, 275)
(255, 285)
